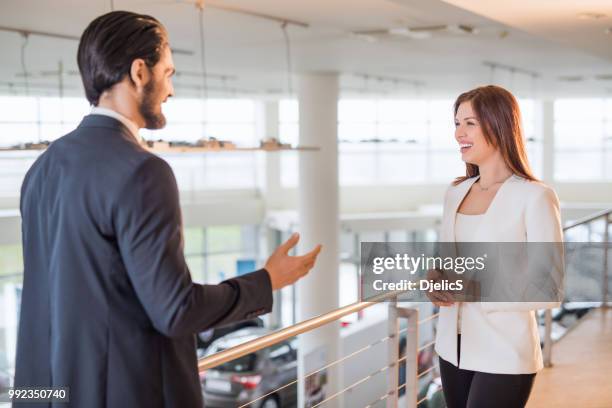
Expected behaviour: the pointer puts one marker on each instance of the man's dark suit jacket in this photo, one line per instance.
(108, 307)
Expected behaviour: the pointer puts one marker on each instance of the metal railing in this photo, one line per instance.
(412, 349)
(392, 339)
(601, 215)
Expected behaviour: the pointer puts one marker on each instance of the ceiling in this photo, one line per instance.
(536, 47)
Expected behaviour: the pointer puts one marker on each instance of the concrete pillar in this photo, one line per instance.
(267, 127)
(546, 124)
(319, 223)
(269, 184)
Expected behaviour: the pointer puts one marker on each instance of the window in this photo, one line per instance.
(224, 119)
(213, 254)
(289, 130)
(583, 139)
(11, 278)
(34, 119)
(394, 141)
(281, 353)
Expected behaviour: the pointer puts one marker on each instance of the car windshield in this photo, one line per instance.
(239, 365)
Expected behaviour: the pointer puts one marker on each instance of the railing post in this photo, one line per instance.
(606, 240)
(393, 354)
(548, 338)
(412, 351)
(410, 362)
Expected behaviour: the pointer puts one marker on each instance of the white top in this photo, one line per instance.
(465, 231)
(132, 127)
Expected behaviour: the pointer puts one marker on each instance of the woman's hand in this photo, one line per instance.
(438, 297)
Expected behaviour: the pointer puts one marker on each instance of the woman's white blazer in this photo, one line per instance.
(500, 337)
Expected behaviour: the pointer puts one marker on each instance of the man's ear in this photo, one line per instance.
(139, 73)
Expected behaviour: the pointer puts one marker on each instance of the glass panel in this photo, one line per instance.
(579, 110)
(51, 132)
(441, 110)
(402, 111)
(230, 110)
(183, 110)
(401, 165)
(289, 133)
(289, 169)
(194, 240)
(15, 133)
(446, 166)
(224, 238)
(288, 111)
(578, 134)
(357, 164)
(221, 267)
(11, 260)
(356, 132)
(356, 110)
(73, 109)
(11, 278)
(196, 267)
(57, 110)
(243, 135)
(230, 170)
(442, 135)
(534, 155)
(18, 109)
(578, 165)
(416, 132)
(176, 132)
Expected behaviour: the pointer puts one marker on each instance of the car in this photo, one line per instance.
(206, 338)
(252, 376)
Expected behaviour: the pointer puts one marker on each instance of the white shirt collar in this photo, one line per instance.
(132, 127)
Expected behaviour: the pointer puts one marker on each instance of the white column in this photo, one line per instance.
(267, 127)
(269, 184)
(546, 124)
(319, 223)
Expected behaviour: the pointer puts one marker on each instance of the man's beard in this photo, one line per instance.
(147, 108)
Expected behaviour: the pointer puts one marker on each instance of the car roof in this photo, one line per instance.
(240, 336)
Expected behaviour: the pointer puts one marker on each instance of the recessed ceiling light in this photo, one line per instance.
(591, 16)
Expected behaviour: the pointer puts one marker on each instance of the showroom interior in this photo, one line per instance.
(334, 119)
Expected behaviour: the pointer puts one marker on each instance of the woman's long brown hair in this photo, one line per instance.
(499, 115)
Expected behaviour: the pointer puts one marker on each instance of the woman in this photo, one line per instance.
(490, 352)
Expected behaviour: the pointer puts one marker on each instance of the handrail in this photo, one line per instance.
(588, 219)
(288, 332)
(548, 342)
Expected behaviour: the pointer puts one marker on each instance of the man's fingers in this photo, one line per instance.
(312, 255)
(290, 243)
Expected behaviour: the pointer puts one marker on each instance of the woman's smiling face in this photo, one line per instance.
(469, 134)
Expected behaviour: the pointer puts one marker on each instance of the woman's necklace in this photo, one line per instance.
(487, 188)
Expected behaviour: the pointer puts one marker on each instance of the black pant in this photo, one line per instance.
(474, 389)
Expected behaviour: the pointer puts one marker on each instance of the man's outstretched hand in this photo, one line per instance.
(284, 269)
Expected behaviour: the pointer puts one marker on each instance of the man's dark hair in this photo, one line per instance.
(111, 43)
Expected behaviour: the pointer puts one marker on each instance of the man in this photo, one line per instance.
(109, 308)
